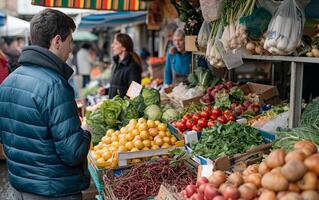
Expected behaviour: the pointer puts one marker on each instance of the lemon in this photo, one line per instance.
(107, 140)
(165, 145)
(122, 148)
(138, 144)
(158, 141)
(115, 144)
(146, 148)
(133, 121)
(142, 127)
(122, 141)
(144, 135)
(141, 120)
(157, 122)
(97, 147)
(107, 155)
(173, 140)
(115, 138)
(151, 124)
(101, 163)
(154, 147)
(153, 131)
(136, 160)
(129, 145)
(162, 134)
(162, 127)
(124, 130)
(168, 134)
(167, 139)
(109, 132)
(135, 132)
(134, 149)
(147, 143)
(129, 137)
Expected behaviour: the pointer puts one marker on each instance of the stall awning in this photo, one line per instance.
(112, 19)
(115, 5)
(2, 18)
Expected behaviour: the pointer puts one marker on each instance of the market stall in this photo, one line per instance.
(208, 138)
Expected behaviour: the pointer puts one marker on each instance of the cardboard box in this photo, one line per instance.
(183, 103)
(157, 70)
(190, 43)
(267, 94)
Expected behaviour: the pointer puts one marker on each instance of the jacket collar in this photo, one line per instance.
(42, 57)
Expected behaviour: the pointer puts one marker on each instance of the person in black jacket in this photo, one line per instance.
(127, 65)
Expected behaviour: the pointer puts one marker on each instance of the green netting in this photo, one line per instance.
(257, 23)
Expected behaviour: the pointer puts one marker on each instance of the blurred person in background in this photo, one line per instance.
(178, 61)
(4, 70)
(13, 53)
(85, 62)
(127, 65)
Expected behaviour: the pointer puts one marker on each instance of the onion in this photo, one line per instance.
(310, 195)
(231, 193)
(274, 181)
(294, 170)
(210, 192)
(200, 181)
(312, 163)
(306, 146)
(190, 190)
(217, 178)
(295, 155)
(308, 182)
(276, 158)
(219, 198)
(201, 188)
(247, 192)
(223, 187)
(250, 46)
(281, 194)
(268, 195)
(236, 179)
(263, 168)
(254, 179)
(293, 187)
(291, 196)
(251, 170)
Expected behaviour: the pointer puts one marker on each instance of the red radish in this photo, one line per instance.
(201, 188)
(200, 181)
(183, 193)
(219, 198)
(231, 193)
(197, 196)
(190, 190)
(210, 191)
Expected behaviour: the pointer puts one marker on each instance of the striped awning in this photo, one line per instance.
(115, 5)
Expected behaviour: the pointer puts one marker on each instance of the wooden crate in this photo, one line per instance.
(108, 192)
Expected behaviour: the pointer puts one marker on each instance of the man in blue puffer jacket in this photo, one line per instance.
(40, 130)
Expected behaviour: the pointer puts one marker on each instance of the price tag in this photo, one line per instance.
(205, 170)
(134, 90)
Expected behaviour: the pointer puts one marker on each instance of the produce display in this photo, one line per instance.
(138, 135)
(144, 180)
(308, 129)
(280, 176)
(229, 96)
(208, 117)
(226, 140)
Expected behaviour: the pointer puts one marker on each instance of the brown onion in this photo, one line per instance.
(268, 195)
(312, 163)
(247, 192)
(296, 155)
(274, 181)
(293, 187)
(292, 196)
(255, 179)
(294, 170)
(306, 146)
(310, 195)
(276, 158)
(217, 178)
(236, 179)
(263, 168)
(308, 182)
(251, 170)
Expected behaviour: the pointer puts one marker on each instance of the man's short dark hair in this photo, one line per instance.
(49, 23)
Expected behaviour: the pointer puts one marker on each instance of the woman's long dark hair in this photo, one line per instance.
(127, 42)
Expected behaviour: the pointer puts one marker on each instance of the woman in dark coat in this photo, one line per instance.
(127, 65)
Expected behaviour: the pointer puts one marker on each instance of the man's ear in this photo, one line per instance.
(56, 42)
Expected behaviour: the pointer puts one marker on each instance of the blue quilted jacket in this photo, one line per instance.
(40, 130)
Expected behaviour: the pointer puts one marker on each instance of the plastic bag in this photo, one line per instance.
(211, 9)
(203, 35)
(285, 29)
(280, 121)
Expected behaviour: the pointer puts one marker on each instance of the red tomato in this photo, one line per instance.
(181, 126)
(174, 123)
(190, 123)
(187, 117)
(210, 123)
(214, 116)
(196, 117)
(204, 114)
(217, 111)
(208, 109)
(228, 113)
(231, 118)
(222, 119)
(202, 123)
(197, 128)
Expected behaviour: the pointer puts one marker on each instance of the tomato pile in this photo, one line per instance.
(208, 117)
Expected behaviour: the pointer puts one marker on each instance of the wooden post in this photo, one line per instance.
(295, 94)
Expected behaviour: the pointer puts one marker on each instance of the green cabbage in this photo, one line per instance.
(151, 96)
(153, 112)
(169, 114)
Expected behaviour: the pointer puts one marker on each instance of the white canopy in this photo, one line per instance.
(15, 27)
